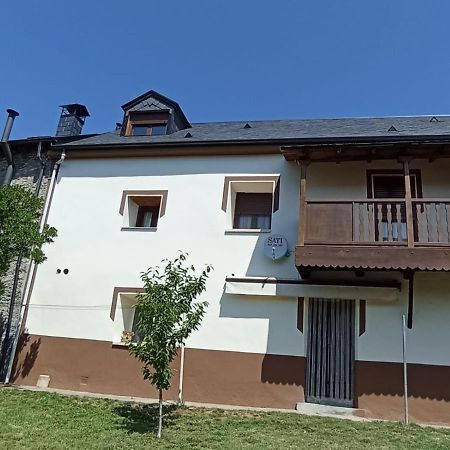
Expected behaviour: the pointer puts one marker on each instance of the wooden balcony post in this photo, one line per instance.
(302, 209)
(408, 201)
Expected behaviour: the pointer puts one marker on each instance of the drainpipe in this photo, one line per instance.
(32, 267)
(41, 172)
(5, 146)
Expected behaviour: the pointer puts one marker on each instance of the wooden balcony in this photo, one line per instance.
(375, 234)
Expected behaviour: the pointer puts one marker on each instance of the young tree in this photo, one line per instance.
(167, 314)
(20, 234)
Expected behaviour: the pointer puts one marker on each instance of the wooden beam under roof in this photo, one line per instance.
(365, 152)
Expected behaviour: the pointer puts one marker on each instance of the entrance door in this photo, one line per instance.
(331, 352)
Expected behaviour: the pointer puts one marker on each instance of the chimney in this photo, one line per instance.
(72, 120)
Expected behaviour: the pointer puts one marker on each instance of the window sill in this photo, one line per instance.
(247, 231)
(145, 229)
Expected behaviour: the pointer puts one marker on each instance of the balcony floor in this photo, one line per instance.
(373, 257)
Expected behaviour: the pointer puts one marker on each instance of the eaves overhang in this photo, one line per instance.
(291, 148)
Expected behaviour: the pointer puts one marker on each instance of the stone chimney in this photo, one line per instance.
(72, 120)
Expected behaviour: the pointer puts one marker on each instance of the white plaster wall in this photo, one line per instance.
(100, 256)
(428, 340)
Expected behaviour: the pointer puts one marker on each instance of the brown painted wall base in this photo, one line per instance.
(84, 365)
(246, 379)
(232, 378)
(379, 391)
(209, 376)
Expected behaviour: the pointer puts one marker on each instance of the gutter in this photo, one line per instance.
(5, 146)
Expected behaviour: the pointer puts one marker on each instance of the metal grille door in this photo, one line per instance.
(331, 352)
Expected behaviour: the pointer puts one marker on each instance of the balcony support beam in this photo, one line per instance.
(408, 201)
(302, 218)
(409, 275)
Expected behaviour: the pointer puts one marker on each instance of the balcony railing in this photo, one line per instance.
(378, 222)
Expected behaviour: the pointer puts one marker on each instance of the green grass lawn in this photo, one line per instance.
(35, 420)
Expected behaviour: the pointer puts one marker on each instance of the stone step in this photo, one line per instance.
(315, 409)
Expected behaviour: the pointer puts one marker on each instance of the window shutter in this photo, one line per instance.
(253, 203)
(385, 186)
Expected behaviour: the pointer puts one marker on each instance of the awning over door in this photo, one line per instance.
(269, 286)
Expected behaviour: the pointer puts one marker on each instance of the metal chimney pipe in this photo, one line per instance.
(5, 147)
(9, 123)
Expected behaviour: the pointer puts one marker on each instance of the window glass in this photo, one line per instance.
(147, 216)
(158, 130)
(244, 221)
(140, 130)
(253, 211)
(137, 335)
(263, 222)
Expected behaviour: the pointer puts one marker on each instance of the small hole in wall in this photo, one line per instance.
(58, 270)
(66, 271)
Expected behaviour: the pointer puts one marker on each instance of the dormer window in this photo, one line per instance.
(147, 123)
(152, 114)
(157, 129)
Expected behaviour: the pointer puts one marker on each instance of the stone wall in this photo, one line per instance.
(26, 174)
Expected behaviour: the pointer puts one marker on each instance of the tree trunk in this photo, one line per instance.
(160, 413)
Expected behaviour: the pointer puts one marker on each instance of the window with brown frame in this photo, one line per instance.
(147, 123)
(253, 210)
(144, 211)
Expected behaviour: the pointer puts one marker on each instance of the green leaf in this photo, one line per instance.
(20, 214)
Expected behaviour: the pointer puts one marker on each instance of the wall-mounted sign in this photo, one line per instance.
(276, 247)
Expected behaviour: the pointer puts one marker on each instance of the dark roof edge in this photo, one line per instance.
(284, 143)
(163, 99)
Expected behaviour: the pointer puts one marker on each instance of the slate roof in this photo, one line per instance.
(288, 131)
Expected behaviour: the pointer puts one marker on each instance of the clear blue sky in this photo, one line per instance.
(224, 60)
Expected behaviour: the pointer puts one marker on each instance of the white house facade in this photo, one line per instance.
(321, 240)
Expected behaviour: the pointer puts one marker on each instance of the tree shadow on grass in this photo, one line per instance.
(139, 418)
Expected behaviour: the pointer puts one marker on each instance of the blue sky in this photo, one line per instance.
(224, 60)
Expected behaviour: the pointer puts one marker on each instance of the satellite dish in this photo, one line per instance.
(275, 247)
